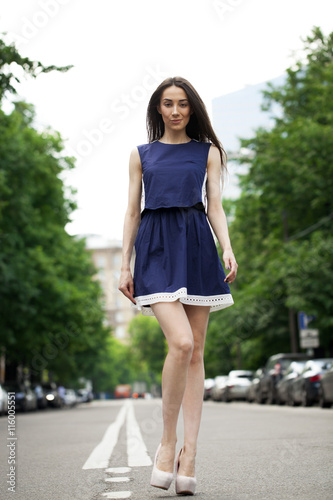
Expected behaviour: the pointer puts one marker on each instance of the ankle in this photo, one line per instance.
(189, 450)
(168, 443)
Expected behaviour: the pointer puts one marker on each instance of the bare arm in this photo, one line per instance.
(215, 212)
(131, 224)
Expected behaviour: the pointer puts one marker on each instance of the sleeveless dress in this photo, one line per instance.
(175, 253)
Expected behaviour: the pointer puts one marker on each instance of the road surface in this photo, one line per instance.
(105, 450)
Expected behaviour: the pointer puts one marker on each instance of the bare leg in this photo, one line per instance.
(177, 330)
(193, 396)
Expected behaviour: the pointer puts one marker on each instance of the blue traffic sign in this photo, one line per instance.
(304, 320)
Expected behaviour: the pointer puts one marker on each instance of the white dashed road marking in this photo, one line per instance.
(118, 470)
(117, 494)
(99, 457)
(117, 479)
(137, 454)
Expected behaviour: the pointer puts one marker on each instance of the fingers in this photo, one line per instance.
(232, 265)
(128, 291)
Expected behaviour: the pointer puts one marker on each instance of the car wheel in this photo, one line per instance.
(226, 398)
(259, 398)
(279, 401)
(322, 401)
(270, 396)
(305, 400)
(290, 400)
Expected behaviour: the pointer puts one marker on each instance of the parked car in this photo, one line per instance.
(283, 386)
(305, 388)
(325, 392)
(40, 395)
(273, 371)
(69, 398)
(208, 387)
(238, 383)
(52, 396)
(3, 400)
(25, 398)
(84, 396)
(218, 389)
(252, 391)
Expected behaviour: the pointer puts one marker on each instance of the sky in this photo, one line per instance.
(120, 52)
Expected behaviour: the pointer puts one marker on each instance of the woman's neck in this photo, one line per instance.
(174, 138)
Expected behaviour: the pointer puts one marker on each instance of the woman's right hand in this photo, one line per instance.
(126, 285)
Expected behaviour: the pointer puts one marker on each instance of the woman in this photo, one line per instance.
(178, 276)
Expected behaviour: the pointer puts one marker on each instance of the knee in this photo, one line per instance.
(197, 354)
(184, 349)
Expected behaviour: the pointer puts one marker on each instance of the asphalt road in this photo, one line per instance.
(246, 451)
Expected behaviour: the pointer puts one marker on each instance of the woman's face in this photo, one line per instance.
(174, 108)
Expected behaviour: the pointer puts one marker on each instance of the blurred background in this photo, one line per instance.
(76, 78)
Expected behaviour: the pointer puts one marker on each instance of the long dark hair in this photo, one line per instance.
(199, 127)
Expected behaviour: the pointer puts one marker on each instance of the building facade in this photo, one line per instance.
(237, 115)
(106, 256)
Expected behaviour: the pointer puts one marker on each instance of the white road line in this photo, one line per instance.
(117, 494)
(118, 470)
(136, 449)
(99, 457)
(117, 479)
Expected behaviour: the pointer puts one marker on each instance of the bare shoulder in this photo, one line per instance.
(135, 161)
(135, 156)
(214, 159)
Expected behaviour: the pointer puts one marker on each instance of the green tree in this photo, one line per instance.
(149, 348)
(12, 64)
(51, 311)
(281, 230)
(115, 366)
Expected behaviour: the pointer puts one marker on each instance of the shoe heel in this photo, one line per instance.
(159, 478)
(185, 485)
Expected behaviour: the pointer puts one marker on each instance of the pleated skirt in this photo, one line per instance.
(176, 259)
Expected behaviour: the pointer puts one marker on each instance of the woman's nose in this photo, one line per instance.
(175, 110)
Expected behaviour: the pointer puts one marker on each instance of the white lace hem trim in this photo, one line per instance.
(216, 302)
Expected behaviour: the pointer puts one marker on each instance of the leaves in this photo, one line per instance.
(51, 309)
(11, 61)
(282, 225)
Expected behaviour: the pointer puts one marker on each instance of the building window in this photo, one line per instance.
(120, 332)
(101, 261)
(119, 317)
(117, 260)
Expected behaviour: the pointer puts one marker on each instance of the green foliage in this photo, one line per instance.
(149, 348)
(282, 226)
(51, 313)
(113, 366)
(12, 63)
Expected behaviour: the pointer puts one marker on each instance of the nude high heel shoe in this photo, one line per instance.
(160, 478)
(185, 485)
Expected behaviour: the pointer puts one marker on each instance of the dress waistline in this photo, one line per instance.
(198, 206)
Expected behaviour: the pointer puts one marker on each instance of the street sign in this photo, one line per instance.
(309, 338)
(304, 320)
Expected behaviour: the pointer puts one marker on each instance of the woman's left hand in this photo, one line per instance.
(230, 263)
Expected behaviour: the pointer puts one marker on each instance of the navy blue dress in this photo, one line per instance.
(176, 256)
